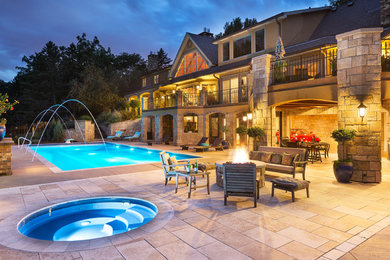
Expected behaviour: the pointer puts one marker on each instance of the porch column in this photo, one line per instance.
(359, 80)
(179, 128)
(158, 127)
(143, 129)
(175, 129)
(263, 115)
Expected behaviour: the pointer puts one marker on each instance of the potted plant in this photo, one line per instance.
(255, 132)
(343, 167)
(242, 131)
(5, 106)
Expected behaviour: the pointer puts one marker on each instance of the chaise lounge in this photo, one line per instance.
(117, 136)
(136, 136)
(187, 146)
(217, 145)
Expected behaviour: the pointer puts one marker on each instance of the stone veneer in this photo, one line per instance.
(5, 156)
(359, 80)
(87, 131)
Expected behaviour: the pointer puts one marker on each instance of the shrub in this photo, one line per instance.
(342, 134)
(107, 117)
(85, 117)
(241, 130)
(126, 115)
(58, 132)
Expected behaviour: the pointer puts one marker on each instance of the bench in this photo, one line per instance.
(297, 164)
(290, 184)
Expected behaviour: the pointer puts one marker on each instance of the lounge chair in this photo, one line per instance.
(171, 168)
(240, 180)
(201, 141)
(166, 139)
(216, 145)
(117, 135)
(136, 136)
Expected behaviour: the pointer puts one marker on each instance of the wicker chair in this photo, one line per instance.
(240, 180)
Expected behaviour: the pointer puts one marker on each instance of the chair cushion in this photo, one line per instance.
(255, 155)
(276, 158)
(280, 168)
(287, 159)
(172, 161)
(266, 156)
(205, 145)
(288, 181)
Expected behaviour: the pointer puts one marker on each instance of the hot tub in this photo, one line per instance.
(87, 218)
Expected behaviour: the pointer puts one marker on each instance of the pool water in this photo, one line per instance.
(87, 219)
(76, 157)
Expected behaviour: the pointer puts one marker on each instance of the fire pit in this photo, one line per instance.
(240, 157)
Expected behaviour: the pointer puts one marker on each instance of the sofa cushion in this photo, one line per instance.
(287, 159)
(266, 156)
(279, 168)
(276, 158)
(255, 155)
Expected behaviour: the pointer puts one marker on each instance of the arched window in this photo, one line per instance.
(190, 123)
(190, 63)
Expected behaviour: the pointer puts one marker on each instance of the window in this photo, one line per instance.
(244, 89)
(242, 46)
(230, 91)
(190, 123)
(155, 79)
(226, 51)
(143, 82)
(259, 35)
(190, 63)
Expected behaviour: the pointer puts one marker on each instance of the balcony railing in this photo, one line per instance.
(190, 99)
(225, 97)
(160, 102)
(300, 68)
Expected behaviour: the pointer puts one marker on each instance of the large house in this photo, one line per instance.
(331, 65)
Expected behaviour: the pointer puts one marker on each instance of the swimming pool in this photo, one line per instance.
(87, 156)
(87, 218)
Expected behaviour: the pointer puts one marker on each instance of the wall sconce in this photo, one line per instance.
(173, 91)
(362, 110)
(244, 118)
(249, 115)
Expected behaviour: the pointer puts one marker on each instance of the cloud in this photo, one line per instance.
(124, 25)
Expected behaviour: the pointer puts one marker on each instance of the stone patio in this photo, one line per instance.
(334, 222)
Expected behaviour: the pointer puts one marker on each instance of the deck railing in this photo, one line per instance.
(225, 97)
(190, 99)
(304, 67)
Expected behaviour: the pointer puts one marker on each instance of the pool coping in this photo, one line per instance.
(15, 240)
(52, 167)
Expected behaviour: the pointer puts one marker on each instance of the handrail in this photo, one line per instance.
(25, 139)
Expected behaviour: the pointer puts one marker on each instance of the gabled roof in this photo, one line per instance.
(203, 44)
(354, 15)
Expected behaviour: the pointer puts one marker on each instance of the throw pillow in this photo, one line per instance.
(287, 159)
(276, 158)
(266, 156)
(172, 161)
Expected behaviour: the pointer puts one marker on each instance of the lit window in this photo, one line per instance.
(155, 79)
(226, 51)
(143, 82)
(259, 35)
(190, 123)
(190, 63)
(242, 46)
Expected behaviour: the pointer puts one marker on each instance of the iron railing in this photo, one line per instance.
(231, 96)
(190, 99)
(160, 102)
(304, 67)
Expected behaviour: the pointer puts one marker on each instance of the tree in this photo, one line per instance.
(336, 3)
(134, 104)
(58, 132)
(255, 132)
(158, 61)
(235, 25)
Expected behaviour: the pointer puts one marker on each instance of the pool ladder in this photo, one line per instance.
(25, 139)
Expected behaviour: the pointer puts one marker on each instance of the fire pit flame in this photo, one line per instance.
(241, 155)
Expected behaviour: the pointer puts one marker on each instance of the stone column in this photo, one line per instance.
(179, 96)
(359, 80)
(5, 156)
(143, 129)
(157, 127)
(263, 115)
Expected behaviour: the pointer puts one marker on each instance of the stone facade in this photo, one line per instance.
(5, 156)
(86, 131)
(359, 81)
(129, 127)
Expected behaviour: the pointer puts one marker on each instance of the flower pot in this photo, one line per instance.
(343, 171)
(2, 132)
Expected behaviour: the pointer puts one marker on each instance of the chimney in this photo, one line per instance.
(206, 32)
(385, 13)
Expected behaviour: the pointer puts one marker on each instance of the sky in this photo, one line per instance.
(133, 26)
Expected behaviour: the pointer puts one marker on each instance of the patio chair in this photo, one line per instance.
(166, 140)
(217, 145)
(201, 141)
(137, 135)
(117, 135)
(171, 168)
(240, 180)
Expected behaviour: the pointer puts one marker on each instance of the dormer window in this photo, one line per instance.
(191, 62)
(259, 38)
(226, 51)
(242, 46)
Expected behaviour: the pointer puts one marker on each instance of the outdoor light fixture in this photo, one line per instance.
(362, 110)
(197, 87)
(244, 118)
(173, 91)
(249, 115)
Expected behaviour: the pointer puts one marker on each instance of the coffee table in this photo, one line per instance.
(260, 169)
(192, 180)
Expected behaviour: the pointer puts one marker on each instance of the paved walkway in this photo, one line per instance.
(335, 222)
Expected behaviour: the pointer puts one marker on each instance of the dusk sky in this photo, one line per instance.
(123, 25)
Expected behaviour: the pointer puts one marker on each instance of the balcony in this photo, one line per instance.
(160, 102)
(227, 97)
(317, 65)
(190, 99)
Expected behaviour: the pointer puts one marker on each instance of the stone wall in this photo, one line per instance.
(359, 81)
(129, 127)
(87, 131)
(5, 156)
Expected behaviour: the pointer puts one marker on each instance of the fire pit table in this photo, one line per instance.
(260, 168)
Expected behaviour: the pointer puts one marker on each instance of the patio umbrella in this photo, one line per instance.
(279, 50)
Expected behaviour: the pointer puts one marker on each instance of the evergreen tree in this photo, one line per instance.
(235, 25)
